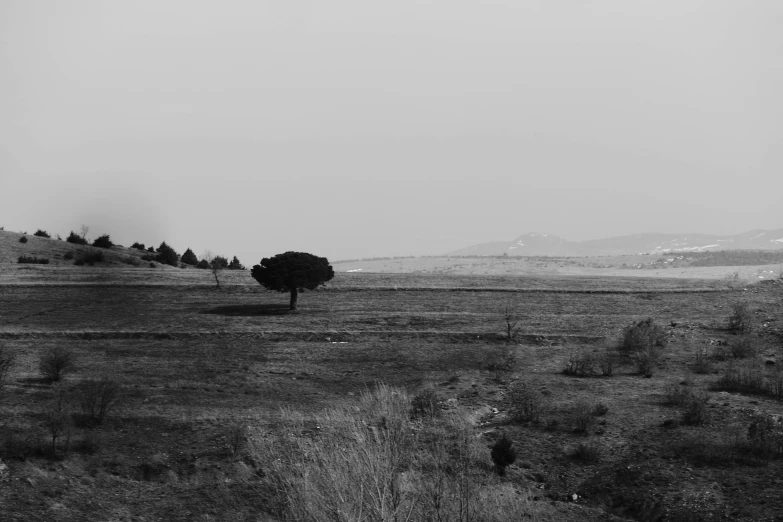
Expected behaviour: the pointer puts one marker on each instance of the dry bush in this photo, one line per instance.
(600, 409)
(765, 435)
(580, 363)
(501, 361)
(236, 439)
(745, 376)
(525, 402)
(99, 397)
(583, 417)
(56, 362)
(58, 420)
(741, 319)
(702, 363)
(642, 336)
(646, 360)
(510, 323)
(695, 411)
(775, 382)
(743, 346)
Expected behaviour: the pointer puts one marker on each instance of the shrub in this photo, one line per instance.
(189, 258)
(152, 265)
(56, 362)
(99, 397)
(526, 403)
(7, 359)
(68, 255)
(741, 320)
(236, 439)
(600, 409)
(587, 452)
(425, 404)
(32, 260)
(641, 336)
(131, 260)
(151, 249)
(23, 239)
(775, 382)
(235, 264)
(695, 412)
(580, 363)
(219, 262)
(167, 255)
(103, 242)
(138, 246)
(76, 239)
(41, 233)
(90, 258)
(503, 454)
(743, 346)
(203, 264)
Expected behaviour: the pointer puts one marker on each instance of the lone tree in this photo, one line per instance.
(291, 272)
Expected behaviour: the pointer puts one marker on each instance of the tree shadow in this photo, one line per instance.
(249, 310)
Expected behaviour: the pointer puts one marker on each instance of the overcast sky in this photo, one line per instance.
(357, 128)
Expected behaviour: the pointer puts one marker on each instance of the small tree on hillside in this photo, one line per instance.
(138, 246)
(167, 255)
(103, 242)
(216, 264)
(203, 264)
(235, 264)
(189, 258)
(41, 233)
(291, 272)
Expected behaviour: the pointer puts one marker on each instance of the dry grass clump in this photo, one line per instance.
(501, 361)
(367, 463)
(743, 347)
(426, 404)
(7, 359)
(580, 363)
(588, 452)
(695, 410)
(702, 363)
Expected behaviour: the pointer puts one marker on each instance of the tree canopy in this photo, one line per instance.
(167, 255)
(292, 271)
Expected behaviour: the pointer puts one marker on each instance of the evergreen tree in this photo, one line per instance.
(235, 264)
(189, 258)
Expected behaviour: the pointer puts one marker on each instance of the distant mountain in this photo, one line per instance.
(534, 244)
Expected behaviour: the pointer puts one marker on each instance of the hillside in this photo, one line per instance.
(534, 244)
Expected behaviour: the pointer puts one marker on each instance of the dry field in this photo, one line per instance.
(202, 367)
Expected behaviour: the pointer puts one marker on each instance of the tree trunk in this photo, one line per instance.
(294, 295)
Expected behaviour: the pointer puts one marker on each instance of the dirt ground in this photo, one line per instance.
(195, 361)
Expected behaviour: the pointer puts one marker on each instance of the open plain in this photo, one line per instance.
(199, 364)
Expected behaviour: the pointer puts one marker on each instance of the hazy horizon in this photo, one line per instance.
(353, 130)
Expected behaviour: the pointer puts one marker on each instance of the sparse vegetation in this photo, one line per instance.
(741, 319)
(68, 255)
(702, 363)
(583, 416)
(99, 397)
(580, 363)
(511, 323)
(426, 404)
(588, 452)
(90, 257)
(7, 359)
(56, 362)
(58, 420)
(42, 233)
(23, 239)
(743, 347)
